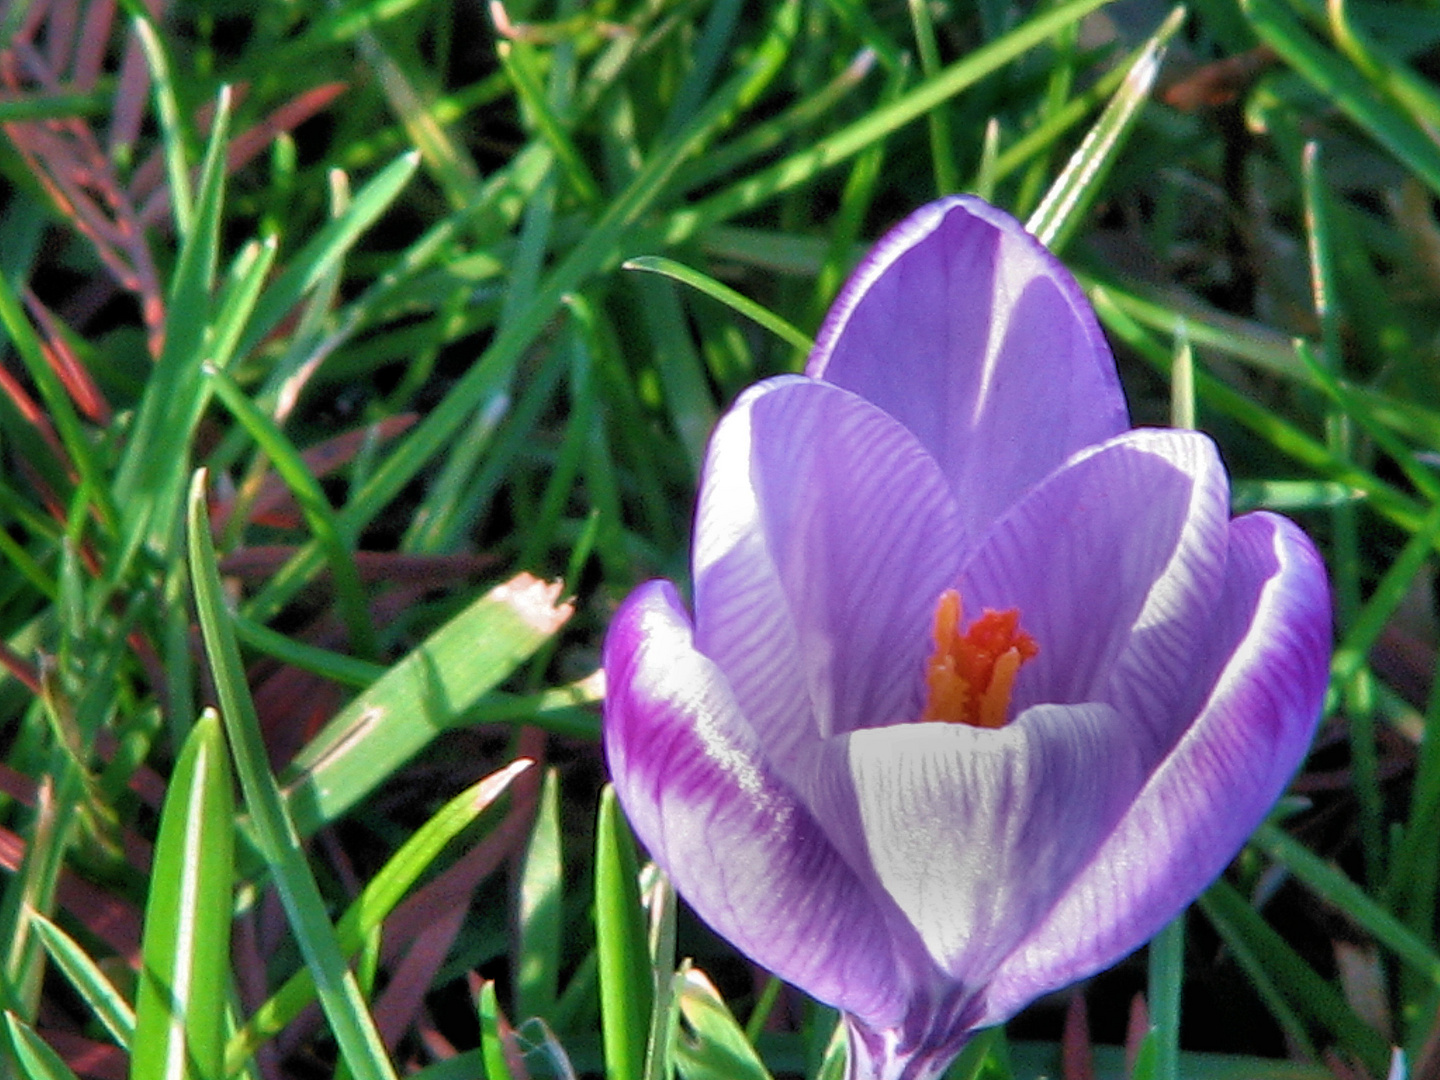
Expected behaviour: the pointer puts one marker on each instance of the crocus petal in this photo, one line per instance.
(1118, 543)
(964, 328)
(976, 832)
(824, 536)
(742, 850)
(1273, 621)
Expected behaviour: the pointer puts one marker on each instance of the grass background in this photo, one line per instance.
(333, 332)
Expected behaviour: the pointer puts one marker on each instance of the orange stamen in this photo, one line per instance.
(970, 675)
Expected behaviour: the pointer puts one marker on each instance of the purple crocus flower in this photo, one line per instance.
(928, 822)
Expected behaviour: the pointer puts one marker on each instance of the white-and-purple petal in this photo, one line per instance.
(960, 425)
(739, 846)
(1209, 793)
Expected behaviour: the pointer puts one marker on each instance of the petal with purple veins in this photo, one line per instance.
(824, 535)
(743, 851)
(964, 328)
(1120, 539)
(1194, 813)
(975, 832)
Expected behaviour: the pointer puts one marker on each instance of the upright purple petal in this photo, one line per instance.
(824, 537)
(1119, 539)
(742, 850)
(1273, 622)
(964, 328)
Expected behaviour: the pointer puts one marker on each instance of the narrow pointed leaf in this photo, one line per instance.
(184, 977)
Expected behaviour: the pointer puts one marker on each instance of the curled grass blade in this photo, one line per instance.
(658, 264)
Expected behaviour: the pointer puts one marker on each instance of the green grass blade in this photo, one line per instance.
(172, 127)
(492, 1042)
(665, 1008)
(942, 143)
(1331, 885)
(542, 880)
(717, 1048)
(33, 1054)
(1063, 208)
(60, 409)
(98, 992)
(1302, 988)
(805, 165)
(658, 264)
(150, 478)
(1167, 971)
(364, 917)
(1341, 83)
(279, 843)
(313, 503)
(517, 58)
(316, 258)
(626, 992)
(431, 689)
(184, 980)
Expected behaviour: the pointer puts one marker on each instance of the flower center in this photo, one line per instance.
(969, 676)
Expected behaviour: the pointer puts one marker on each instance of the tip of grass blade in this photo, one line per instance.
(536, 602)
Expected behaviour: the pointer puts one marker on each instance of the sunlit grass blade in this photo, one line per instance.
(1341, 83)
(430, 689)
(626, 992)
(33, 1054)
(150, 477)
(184, 978)
(878, 123)
(492, 1036)
(98, 992)
(172, 127)
(275, 834)
(542, 880)
(716, 1047)
(1063, 208)
(659, 264)
(665, 1007)
(379, 897)
(519, 64)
